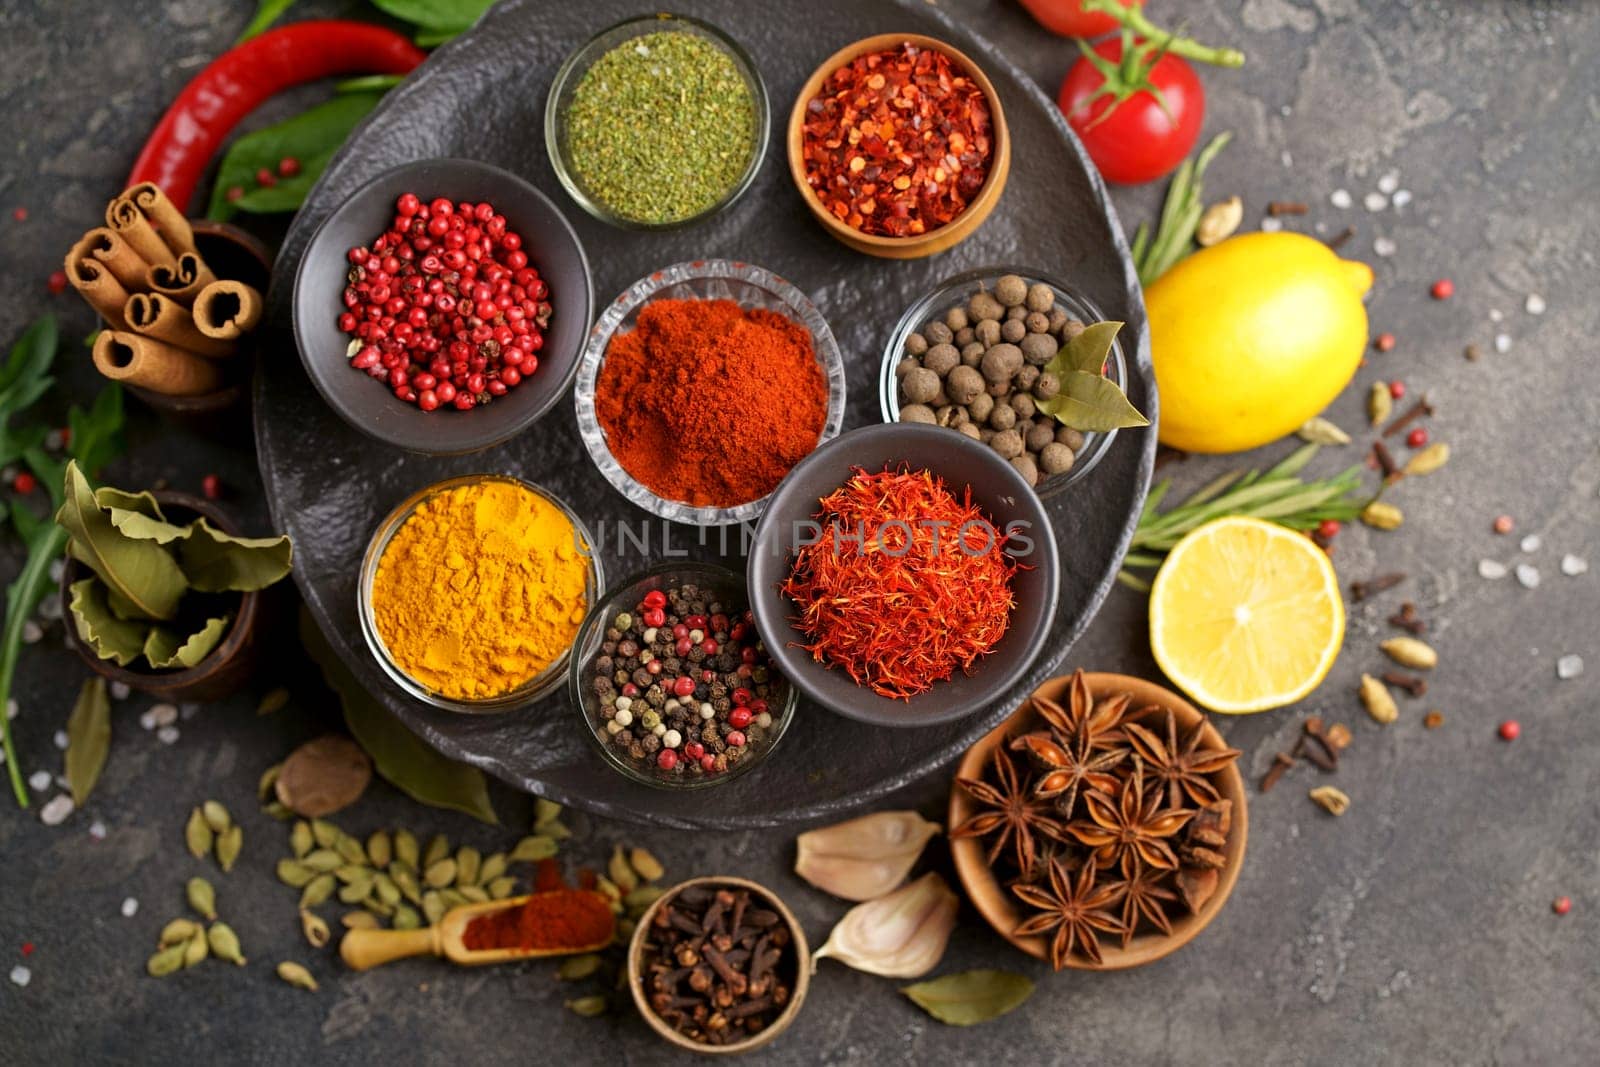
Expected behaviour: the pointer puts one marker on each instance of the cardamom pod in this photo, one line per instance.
(216, 816)
(1379, 403)
(294, 874)
(588, 1007)
(1331, 800)
(405, 849)
(359, 920)
(493, 866)
(317, 890)
(1429, 459)
(300, 839)
(202, 897)
(468, 860)
(407, 881)
(325, 833)
(1219, 222)
(194, 950)
(352, 873)
(229, 844)
(1410, 652)
(544, 811)
(1382, 515)
(433, 907)
(1378, 700)
(577, 968)
(441, 873)
(224, 943)
(453, 898)
(387, 891)
(1321, 431)
(438, 849)
(646, 865)
(554, 829)
(268, 782)
(639, 900)
(315, 929)
(178, 931)
(620, 872)
(296, 976)
(277, 810)
(197, 835)
(610, 890)
(502, 887)
(167, 961)
(380, 849)
(406, 918)
(534, 848)
(349, 848)
(475, 893)
(625, 929)
(355, 892)
(377, 906)
(323, 860)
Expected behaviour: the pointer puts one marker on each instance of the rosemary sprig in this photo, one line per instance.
(1277, 494)
(1180, 214)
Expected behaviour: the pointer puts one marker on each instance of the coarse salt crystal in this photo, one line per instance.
(1340, 199)
(189, 711)
(1401, 198)
(1383, 246)
(1389, 182)
(62, 740)
(1531, 543)
(1534, 305)
(1568, 667)
(21, 975)
(31, 632)
(1491, 569)
(167, 735)
(1288, 160)
(11, 707)
(1375, 201)
(1495, 315)
(120, 690)
(40, 781)
(50, 607)
(57, 568)
(1502, 343)
(1271, 225)
(1572, 566)
(130, 908)
(97, 830)
(147, 721)
(1528, 575)
(55, 813)
(163, 714)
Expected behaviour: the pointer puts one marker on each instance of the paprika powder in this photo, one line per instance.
(560, 919)
(710, 403)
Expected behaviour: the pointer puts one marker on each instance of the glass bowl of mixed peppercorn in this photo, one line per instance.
(673, 681)
(656, 123)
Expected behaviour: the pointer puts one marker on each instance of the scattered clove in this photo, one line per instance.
(1412, 684)
(1408, 416)
(1385, 460)
(1361, 590)
(1337, 241)
(1406, 619)
(1280, 764)
(1279, 208)
(864, 858)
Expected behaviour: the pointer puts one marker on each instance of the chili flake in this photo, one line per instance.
(897, 143)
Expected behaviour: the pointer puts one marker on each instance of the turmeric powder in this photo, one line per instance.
(481, 589)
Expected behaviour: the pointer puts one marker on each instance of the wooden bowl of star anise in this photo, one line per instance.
(1102, 825)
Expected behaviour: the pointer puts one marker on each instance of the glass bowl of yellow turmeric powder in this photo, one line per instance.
(473, 590)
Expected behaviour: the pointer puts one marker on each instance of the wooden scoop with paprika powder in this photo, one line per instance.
(561, 922)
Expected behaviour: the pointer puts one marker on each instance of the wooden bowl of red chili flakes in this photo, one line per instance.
(881, 182)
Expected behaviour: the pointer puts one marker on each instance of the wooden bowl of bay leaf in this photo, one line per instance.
(1146, 707)
(218, 672)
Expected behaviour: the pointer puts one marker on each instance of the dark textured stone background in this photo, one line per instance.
(1416, 928)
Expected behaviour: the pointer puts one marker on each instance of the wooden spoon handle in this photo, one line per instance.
(363, 949)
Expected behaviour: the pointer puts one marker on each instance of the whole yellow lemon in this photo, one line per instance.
(1253, 336)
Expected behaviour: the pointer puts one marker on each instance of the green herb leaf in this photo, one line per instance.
(399, 755)
(96, 434)
(267, 12)
(1087, 351)
(215, 562)
(1091, 403)
(88, 739)
(971, 997)
(312, 137)
(450, 16)
(167, 650)
(119, 640)
(369, 83)
(141, 572)
(1180, 214)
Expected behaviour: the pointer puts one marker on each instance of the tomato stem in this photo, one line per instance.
(1133, 18)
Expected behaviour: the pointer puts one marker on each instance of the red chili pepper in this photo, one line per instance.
(239, 80)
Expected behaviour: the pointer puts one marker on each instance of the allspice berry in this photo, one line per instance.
(1003, 417)
(1022, 403)
(980, 406)
(1013, 330)
(940, 358)
(950, 415)
(917, 413)
(1037, 322)
(920, 386)
(1001, 363)
(1071, 328)
(987, 331)
(1026, 377)
(983, 306)
(1007, 442)
(956, 318)
(1058, 319)
(1039, 437)
(1047, 386)
(938, 333)
(1019, 312)
(1011, 290)
(1040, 297)
(905, 366)
(1037, 348)
(964, 337)
(972, 353)
(970, 429)
(916, 344)
(965, 386)
(1027, 468)
(1055, 458)
(1073, 439)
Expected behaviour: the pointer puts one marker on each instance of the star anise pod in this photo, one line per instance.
(1082, 719)
(1013, 814)
(1183, 769)
(1144, 895)
(1131, 829)
(1064, 768)
(1072, 907)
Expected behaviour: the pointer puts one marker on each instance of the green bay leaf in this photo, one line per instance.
(144, 503)
(142, 527)
(1086, 352)
(142, 573)
(167, 650)
(215, 562)
(88, 739)
(400, 756)
(1091, 403)
(971, 997)
(112, 638)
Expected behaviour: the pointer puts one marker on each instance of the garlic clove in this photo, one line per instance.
(902, 935)
(864, 858)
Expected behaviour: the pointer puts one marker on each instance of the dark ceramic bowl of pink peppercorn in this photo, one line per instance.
(442, 308)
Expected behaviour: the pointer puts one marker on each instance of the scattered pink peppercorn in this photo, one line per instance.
(1443, 289)
(1417, 438)
(1329, 527)
(265, 178)
(1383, 342)
(27, 948)
(288, 167)
(1397, 389)
(1504, 524)
(1510, 730)
(211, 486)
(1561, 905)
(57, 282)
(20, 214)
(25, 483)
(235, 192)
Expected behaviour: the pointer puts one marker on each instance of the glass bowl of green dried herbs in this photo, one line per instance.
(657, 123)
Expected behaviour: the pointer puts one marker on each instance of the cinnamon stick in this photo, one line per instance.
(133, 225)
(183, 280)
(96, 284)
(161, 214)
(227, 310)
(167, 320)
(154, 365)
(106, 247)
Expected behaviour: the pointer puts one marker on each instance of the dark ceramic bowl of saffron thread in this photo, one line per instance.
(1005, 500)
(553, 249)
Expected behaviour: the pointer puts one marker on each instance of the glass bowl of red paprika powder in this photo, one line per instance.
(735, 379)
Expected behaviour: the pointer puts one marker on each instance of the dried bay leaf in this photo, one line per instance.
(168, 651)
(1092, 404)
(119, 640)
(144, 503)
(1086, 352)
(971, 997)
(142, 573)
(323, 776)
(402, 758)
(138, 525)
(216, 562)
(88, 739)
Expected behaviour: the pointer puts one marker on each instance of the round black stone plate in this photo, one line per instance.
(482, 96)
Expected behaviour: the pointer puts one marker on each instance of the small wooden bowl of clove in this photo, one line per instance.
(719, 965)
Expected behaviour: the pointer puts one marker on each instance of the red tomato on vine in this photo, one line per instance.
(1141, 136)
(1069, 19)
